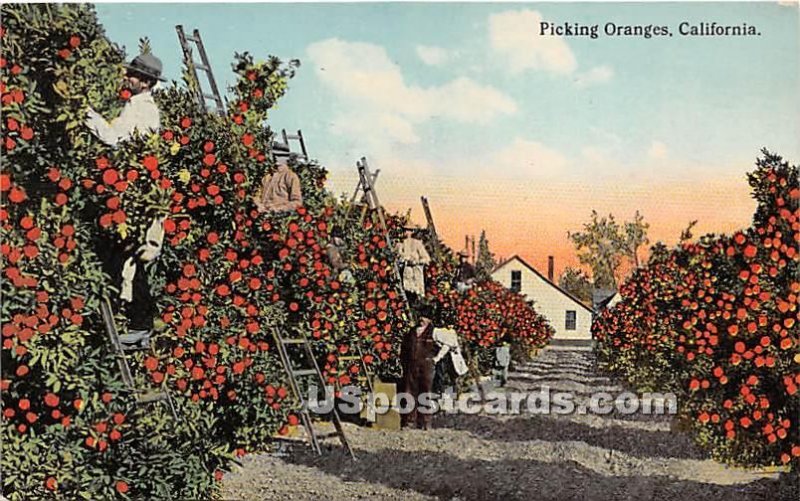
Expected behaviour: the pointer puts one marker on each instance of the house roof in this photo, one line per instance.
(535, 271)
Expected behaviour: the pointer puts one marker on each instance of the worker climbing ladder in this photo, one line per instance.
(192, 66)
(311, 369)
(142, 396)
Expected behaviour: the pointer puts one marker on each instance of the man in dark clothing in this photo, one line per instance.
(417, 355)
(465, 274)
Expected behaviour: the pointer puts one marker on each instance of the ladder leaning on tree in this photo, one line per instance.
(437, 245)
(311, 369)
(472, 363)
(366, 183)
(142, 396)
(192, 66)
(295, 137)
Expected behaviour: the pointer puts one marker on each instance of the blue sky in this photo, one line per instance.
(443, 95)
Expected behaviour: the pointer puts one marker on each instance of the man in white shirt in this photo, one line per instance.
(141, 112)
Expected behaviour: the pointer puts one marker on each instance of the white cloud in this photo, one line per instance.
(657, 151)
(432, 56)
(366, 80)
(529, 159)
(596, 75)
(515, 36)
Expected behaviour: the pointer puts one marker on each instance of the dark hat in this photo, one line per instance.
(147, 65)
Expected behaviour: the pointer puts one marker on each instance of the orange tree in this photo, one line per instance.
(715, 321)
(485, 316)
(70, 428)
(226, 278)
(227, 275)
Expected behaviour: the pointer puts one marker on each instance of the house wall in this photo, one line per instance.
(549, 301)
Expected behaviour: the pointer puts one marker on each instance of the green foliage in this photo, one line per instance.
(603, 244)
(485, 263)
(576, 282)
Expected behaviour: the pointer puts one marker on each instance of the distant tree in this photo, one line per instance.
(635, 236)
(577, 283)
(600, 246)
(485, 263)
(603, 244)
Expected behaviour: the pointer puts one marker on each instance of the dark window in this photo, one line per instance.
(572, 320)
(516, 281)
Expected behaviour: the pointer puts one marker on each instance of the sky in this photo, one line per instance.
(512, 132)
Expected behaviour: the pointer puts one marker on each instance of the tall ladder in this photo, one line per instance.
(293, 373)
(366, 181)
(472, 364)
(192, 66)
(431, 227)
(142, 396)
(364, 200)
(295, 137)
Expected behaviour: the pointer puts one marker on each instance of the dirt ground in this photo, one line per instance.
(547, 457)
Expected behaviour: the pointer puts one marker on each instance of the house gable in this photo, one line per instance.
(533, 270)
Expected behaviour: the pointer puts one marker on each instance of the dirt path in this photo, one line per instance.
(558, 457)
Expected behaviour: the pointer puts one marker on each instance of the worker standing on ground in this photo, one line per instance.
(417, 355)
(140, 112)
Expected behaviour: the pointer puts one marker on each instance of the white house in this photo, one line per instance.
(571, 319)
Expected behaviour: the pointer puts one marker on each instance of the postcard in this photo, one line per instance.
(400, 250)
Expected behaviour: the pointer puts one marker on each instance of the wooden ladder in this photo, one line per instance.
(192, 66)
(437, 245)
(366, 182)
(293, 373)
(471, 364)
(142, 396)
(295, 137)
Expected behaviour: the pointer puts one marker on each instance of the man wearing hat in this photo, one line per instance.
(141, 112)
(280, 188)
(465, 274)
(416, 356)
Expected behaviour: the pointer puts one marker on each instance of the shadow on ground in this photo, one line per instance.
(447, 477)
(635, 442)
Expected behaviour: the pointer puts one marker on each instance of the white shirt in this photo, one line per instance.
(448, 341)
(140, 114)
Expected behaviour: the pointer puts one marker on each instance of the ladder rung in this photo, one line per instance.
(304, 372)
(350, 357)
(200, 66)
(210, 96)
(293, 341)
(191, 39)
(329, 434)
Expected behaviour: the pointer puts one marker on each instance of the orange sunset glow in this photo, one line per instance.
(532, 219)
